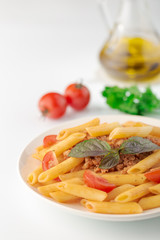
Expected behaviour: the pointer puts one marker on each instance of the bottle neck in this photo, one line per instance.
(135, 15)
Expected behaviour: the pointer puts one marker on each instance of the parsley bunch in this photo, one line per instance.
(131, 100)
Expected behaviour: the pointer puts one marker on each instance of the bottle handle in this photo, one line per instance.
(105, 13)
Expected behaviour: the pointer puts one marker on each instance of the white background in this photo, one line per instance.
(44, 46)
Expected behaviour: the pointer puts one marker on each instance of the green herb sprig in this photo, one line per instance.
(96, 147)
(131, 100)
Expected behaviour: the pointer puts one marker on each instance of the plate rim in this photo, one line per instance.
(97, 216)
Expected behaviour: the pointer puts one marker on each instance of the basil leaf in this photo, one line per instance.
(137, 145)
(110, 160)
(90, 148)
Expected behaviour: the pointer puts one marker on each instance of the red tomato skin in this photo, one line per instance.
(77, 96)
(153, 175)
(49, 160)
(94, 181)
(58, 179)
(49, 140)
(53, 105)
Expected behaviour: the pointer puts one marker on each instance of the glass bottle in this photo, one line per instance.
(132, 50)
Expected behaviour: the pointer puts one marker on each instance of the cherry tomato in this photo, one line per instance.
(49, 140)
(77, 96)
(53, 105)
(95, 181)
(153, 175)
(49, 160)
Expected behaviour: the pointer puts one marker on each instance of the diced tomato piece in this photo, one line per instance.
(49, 140)
(93, 180)
(153, 175)
(57, 179)
(49, 160)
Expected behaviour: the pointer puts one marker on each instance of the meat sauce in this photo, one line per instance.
(126, 160)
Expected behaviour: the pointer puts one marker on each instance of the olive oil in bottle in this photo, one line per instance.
(131, 58)
(132, 50)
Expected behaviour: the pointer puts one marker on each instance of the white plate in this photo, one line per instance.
(27, 164)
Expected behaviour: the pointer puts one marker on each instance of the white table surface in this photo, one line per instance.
(44, 46)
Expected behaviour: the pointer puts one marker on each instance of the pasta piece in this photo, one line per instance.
(120, 179)
(102, 129)
(66, 132)
(82, 191)
(61, 168)
(157, 165)
(68, 142)
(63, 197)
(83, 202)
(33, 176)
(134, 193)
(41, 151)
(112, 207)
(61, 146)
(47, 183)
(37, 156)
(134, 124)
(71, 175)
(111, 173)
(39, 148)
(155, 189)
(116, 191)
(124, 132)
(155, 130)
(146, 163)
(150, 202)
(77, 168)
(45, 190)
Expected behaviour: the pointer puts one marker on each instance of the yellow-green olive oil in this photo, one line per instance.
(131, 58)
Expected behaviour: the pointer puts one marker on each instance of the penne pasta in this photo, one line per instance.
(82, 191)
(83, 202)
(110, 173)
(112, 207)
(146, 163)
(61, 146)
(120, 179)
(155, 130)
(125, 132)
(68, 142)
(134, 124)
(63, 197)
(134, 193)
(37, 156)
(102, 129)
(67, 176)
(61, 168)
(118, 190)
(77, 168)
(155, 189)
(33, 176)
(157, 165)
(150, 202)
(66, 132)
(39, 148)
(45, 190)
(47, 183)
(40, 153)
